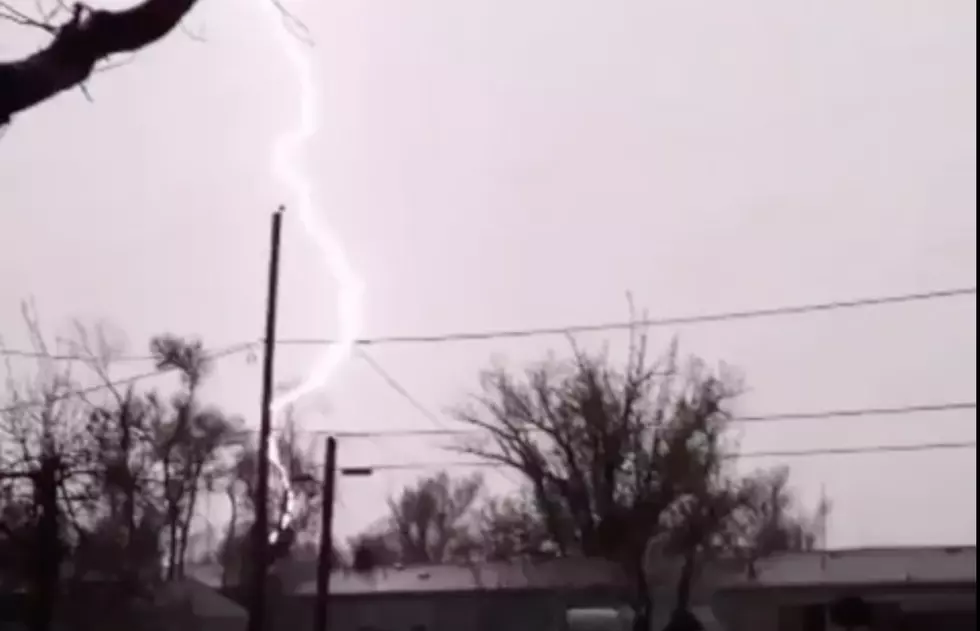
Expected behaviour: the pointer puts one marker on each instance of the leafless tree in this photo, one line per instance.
(617, 457)
(305, 475)
(434, 520)
(43, 434)
(191, 442)
(429, 519)
(92, 477)
(510, 527)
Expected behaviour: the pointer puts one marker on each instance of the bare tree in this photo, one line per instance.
(190, 442)
(616, 458)
(90, 478)
(733, 517)
(435, 520)
(125, 516)
(43, 431)
(511, 527)
(305, 475)
(429, 518)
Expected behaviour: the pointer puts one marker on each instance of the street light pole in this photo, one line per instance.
(260, 532)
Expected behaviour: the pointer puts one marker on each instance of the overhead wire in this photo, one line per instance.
(441, 430)
(843, 413)
(656, 322)
(768, 418)
(116, 383)
(356, 470)
(403, 392)
(706, 318)
(395, 385)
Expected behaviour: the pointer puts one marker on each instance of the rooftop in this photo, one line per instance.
(518, 575)
(871, 566)
(878, 566)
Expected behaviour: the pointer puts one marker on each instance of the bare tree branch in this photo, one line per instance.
(87, 38)
(13, 14)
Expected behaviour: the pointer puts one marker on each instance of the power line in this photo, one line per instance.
(656, 322)
(402, 391)
(414, 402)
(127, 381)
(22, 354)
(801, 453)
(125, 358)
(501, 334)
(464, 336)
(761, 418)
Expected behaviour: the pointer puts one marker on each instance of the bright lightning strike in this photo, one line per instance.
(350, 289)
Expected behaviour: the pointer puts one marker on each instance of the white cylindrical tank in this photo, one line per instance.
(604, 619)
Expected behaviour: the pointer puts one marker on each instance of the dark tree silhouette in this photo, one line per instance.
(92, 484)
(427, 520)
(511, 528)
(373, 550)
(300, 538)
(430, 521)
(620, 458)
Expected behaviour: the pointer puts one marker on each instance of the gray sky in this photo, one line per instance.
(511, 164)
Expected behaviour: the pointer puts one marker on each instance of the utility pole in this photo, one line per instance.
(321, 614)
(260, 532)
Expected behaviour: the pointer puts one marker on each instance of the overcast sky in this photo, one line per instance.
(507, 164)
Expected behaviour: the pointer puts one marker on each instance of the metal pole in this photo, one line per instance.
(325, 565)
(260, 532)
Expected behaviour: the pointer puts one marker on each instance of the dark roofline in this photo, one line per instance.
(874, 549)
(889, 586)
(615, 593)
(741, 581)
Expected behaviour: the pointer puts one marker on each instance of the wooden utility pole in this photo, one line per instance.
(321, 614)
(260, 532)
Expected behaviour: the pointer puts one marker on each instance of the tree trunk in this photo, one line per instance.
(47, 564)
(642, 598)
(130, 564)
(685, 582)
(173, 550)
(185, 529)
(173, 514)
(230, 539)
(681, 618)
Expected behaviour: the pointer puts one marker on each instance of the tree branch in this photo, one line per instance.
(89, 37)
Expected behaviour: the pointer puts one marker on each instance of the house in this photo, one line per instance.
(190, 605)
(517, 596)
(97, 604)
(908, 589)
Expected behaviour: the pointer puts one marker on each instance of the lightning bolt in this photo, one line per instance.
(286, 154)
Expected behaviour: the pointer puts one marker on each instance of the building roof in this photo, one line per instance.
(300, 577)
(872, 566)
(877, 566)
(518, 575)
(199, 600)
